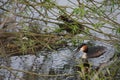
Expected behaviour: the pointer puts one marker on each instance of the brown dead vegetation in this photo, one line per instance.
(19, 43)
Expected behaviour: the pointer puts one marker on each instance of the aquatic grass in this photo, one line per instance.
(108, 71)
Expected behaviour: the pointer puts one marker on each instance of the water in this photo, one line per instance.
(106, 56)
(54, 60)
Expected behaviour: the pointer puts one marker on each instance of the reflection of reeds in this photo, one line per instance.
(106, 71)
(109, 70)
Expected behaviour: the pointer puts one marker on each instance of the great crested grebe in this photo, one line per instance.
(91, 52)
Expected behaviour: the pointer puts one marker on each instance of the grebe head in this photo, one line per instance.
(83, 47)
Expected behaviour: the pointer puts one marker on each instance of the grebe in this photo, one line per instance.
(91, 52)
(86, 52)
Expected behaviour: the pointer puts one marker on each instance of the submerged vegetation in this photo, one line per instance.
(30, 26)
